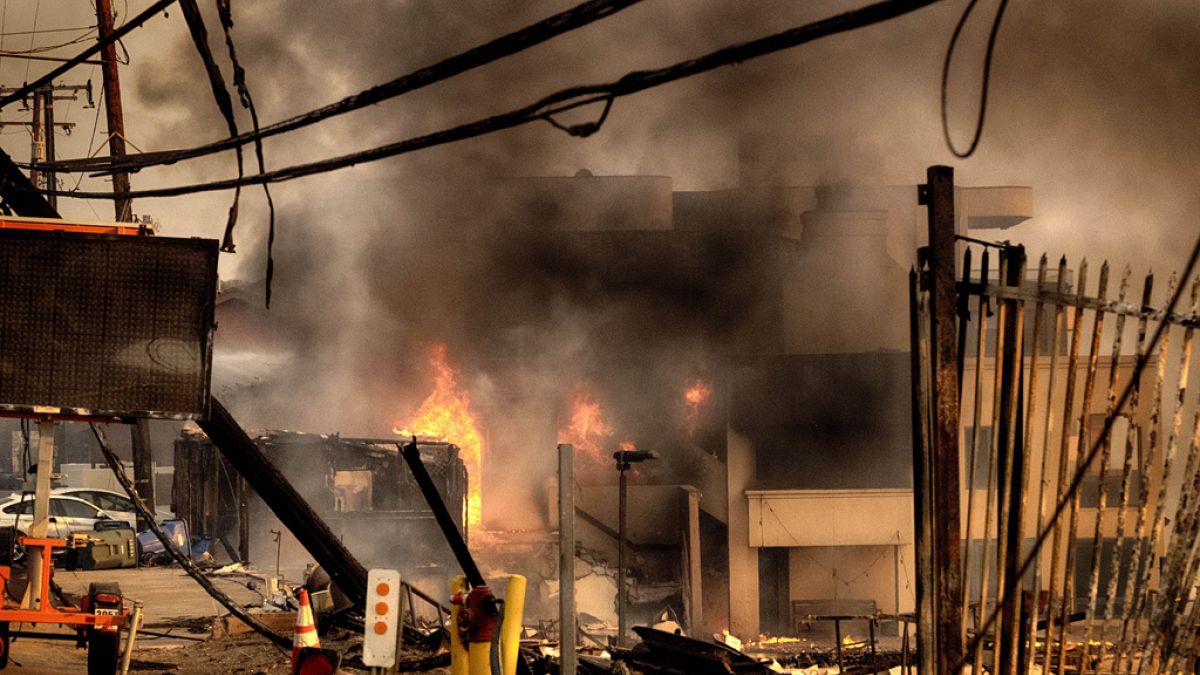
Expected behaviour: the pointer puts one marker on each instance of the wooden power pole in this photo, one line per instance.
(112, 109)
(947, 645)
(143, 457)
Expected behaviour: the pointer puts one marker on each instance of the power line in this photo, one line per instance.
(489, 52)
(36, 10)
(91, 145)
(85, 54)
(565, 99)
(195, 24)
(47, 48)
(987, 72)
(41, 31)
(225, 13)
(35, 57)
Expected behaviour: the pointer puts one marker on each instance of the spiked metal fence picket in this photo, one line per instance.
(1080, 452)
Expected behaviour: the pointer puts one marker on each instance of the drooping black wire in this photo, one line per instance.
(576, 17)
(184, 561)
(987, 72)
(560, 101)
(195, 22)
(85, 54)
(1012, 584)
(239, 80)
(583, 129)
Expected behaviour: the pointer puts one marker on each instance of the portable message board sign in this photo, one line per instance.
(106, 325)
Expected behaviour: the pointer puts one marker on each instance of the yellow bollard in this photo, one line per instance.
(459, 663)
(510, 630)
(481, 658)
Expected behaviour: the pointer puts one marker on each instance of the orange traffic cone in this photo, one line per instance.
(306, 629)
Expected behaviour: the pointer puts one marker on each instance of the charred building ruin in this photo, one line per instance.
(791, 484)
(359, 487)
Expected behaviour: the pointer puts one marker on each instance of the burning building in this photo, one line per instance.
(360, 487)
(756, 338)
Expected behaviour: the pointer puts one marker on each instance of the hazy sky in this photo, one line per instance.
(1091, 104)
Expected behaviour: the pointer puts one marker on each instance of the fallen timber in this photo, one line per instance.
(292, 510)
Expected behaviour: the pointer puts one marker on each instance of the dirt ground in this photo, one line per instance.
(177, 636)
(245, 653)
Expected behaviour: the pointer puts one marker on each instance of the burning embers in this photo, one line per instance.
(446, 414)
(589, 431)
(586, 430)
(695, 396)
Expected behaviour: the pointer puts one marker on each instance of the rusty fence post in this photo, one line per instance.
(1012, 462)
(922, 511)
(947, 643)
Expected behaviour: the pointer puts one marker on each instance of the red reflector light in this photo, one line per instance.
(108, 598)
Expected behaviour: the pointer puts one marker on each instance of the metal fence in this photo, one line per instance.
(1079, 483)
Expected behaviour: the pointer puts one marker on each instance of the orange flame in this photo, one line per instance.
(778, 640)
(587, 429)
(695, 396)
(446, 414)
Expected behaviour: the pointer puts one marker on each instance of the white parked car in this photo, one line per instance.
(67, 515)
(116, 504)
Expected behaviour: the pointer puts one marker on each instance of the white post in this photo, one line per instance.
(135, 622)
(41, 512)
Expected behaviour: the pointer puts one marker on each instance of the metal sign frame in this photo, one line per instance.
(202, 285)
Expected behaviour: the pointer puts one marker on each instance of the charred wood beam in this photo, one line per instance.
(169, 545)
(412, 455)
(296, 515)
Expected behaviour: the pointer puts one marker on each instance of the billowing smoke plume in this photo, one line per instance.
(376, 262)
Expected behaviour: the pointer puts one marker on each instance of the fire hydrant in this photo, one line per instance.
(475, 618)
(478, 617)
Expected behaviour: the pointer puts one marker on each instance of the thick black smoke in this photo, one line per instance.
(1094, 110)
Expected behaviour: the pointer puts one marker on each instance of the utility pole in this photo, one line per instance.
(37, 150)
(41, 129)
(143, 456)
(947, 648)
(49, 177)
(113, 111)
